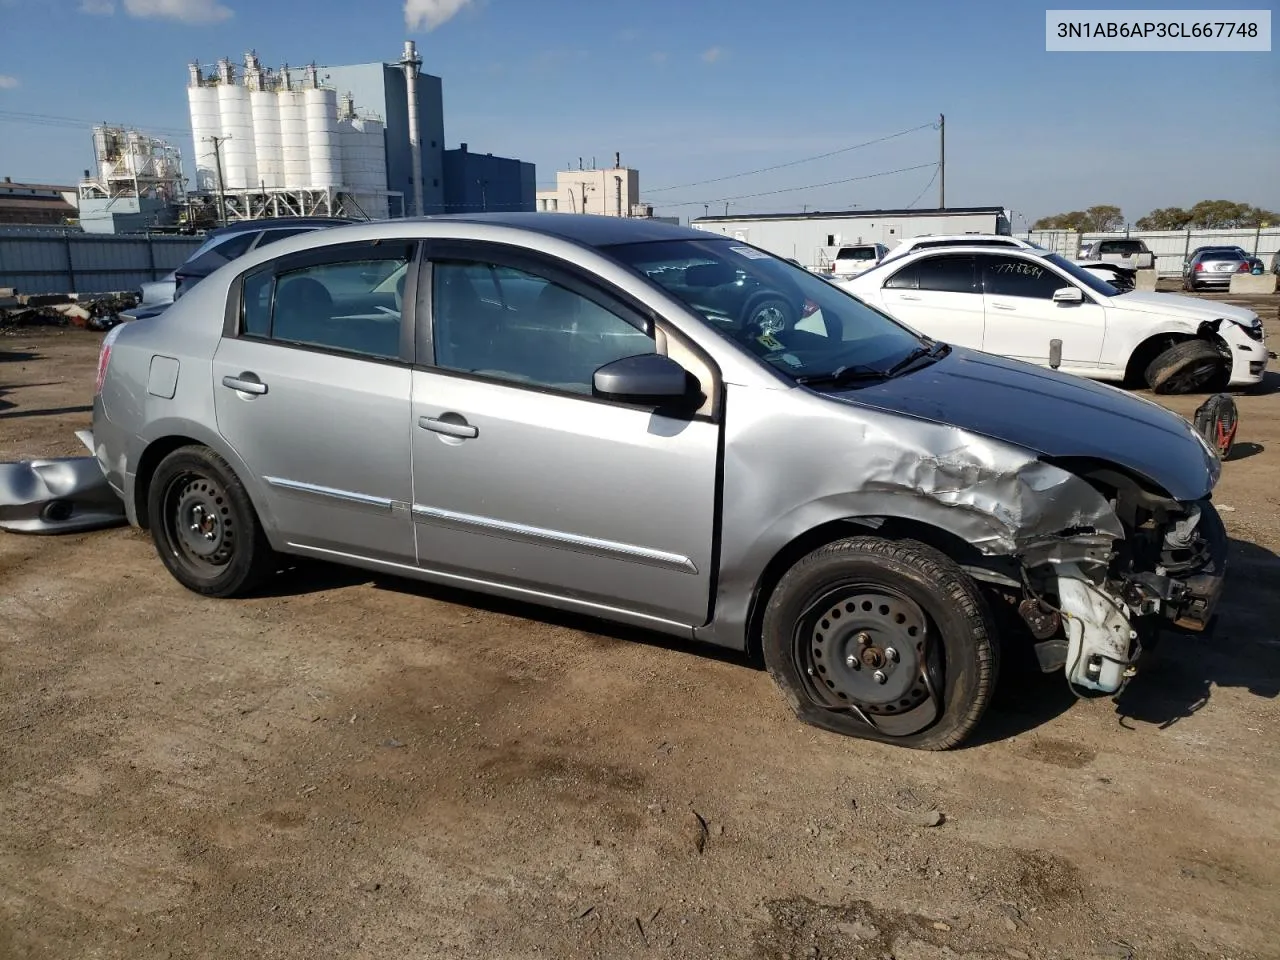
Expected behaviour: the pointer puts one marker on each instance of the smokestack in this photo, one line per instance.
(411, 62)
(617, 160)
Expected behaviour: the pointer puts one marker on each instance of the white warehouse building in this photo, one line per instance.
(813, 238)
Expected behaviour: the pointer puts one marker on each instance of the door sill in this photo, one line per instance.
(495, 588)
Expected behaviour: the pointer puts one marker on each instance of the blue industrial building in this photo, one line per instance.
(482, 182)
(453, 180)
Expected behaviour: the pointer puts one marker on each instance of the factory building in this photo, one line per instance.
(614, 192)
(36, 203)
(364, 140)
(481, 182)
(813, 238)
(137, 184)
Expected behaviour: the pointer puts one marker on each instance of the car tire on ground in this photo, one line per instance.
(204, 525)
(1187, 367)
(885, 640)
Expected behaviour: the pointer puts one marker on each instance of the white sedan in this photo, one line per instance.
(1037, 306)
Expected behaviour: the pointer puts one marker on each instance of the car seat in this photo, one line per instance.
(303, 311)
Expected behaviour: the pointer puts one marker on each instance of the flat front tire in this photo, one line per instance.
(886, 640)
(1187, 367)
(204, 526)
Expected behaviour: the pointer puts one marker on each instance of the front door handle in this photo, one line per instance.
(463, 431)
(907, 296)
(246, 383)
(1003, 306)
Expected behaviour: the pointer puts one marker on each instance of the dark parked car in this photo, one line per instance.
(222, 246)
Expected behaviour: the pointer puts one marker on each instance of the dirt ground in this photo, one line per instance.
(359, 767)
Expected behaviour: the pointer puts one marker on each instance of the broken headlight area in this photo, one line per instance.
(1094, 616)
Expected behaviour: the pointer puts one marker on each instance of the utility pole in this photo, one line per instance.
(584, 194)
(618, 198)
(942, 161)
(706, 209)
(217, 163)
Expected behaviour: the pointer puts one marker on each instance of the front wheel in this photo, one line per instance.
(883, 640)
(1187, 367)
(204, 526)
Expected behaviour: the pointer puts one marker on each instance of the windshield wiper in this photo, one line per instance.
(919, 353)
(845, 374)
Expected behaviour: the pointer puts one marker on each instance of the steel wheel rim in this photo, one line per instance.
(844, 659)
(198, 521)
(769, 317)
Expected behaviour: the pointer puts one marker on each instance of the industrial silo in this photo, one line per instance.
(296, 163)
(239, 165)
(322, 137)
(205, 125)
(364, 164)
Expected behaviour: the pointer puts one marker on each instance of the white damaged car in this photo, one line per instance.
(1037, 306)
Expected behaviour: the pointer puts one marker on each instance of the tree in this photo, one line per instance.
(1219, 214)
(1103, 218)
(1165, 218)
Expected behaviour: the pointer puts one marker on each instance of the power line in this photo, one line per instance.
(793, 163)
(50, 120)
(807, 186)
(936, 167)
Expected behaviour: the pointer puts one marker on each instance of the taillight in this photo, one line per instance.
(104, 358)
(1244, 268)
(1199, 268)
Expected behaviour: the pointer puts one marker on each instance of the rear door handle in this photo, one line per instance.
(463, 431)
(1003, 306)
(245, 383)
(907, 296)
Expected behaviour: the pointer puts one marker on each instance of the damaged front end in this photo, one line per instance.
(1092, 611)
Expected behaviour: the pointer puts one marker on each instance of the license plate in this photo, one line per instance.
(1224, 266)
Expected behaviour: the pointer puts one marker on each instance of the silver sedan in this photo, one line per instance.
(668, 429)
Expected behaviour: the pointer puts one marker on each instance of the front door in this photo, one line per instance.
(523, 478)
(313, 390)
(1022, 316)
(938, 295)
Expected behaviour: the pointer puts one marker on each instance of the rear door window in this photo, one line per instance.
(949, 274)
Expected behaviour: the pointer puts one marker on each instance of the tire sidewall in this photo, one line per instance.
(200, 460)
(948, 620)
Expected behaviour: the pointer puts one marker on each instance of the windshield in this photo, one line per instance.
(1081, 275)
(783, 315)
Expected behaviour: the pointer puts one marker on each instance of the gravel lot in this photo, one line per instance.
(359, 766)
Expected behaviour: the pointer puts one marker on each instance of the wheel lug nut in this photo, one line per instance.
(862, 639)
(892, 654)
(879, 676)
(851, 661)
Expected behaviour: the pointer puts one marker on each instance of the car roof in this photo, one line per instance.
(590, 230)
(270, 223)
(1004, 237)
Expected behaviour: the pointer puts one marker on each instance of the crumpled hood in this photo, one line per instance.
(1184, 308)
(1053, 414)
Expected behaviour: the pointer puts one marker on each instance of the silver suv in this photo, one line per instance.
(663, 428)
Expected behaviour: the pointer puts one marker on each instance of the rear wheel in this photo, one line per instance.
(204, 526)
(1187, 367)
(884, 640)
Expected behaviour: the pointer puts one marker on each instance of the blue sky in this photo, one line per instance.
(700, 89)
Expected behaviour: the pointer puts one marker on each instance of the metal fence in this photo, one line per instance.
(69, 261)
(1171, 247)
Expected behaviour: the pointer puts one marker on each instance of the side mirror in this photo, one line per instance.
(647, 378)
(1068, 295)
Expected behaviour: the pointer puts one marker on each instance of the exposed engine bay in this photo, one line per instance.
(1093, 617)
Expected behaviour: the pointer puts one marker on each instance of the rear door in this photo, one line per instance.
(311, 387)
(1022, 316)
(939, 296)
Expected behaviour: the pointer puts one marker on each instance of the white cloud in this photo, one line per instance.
(98, 8)
(713, 54)
(7, 82)
(183, 11)
(429, 14)
(658, 56)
